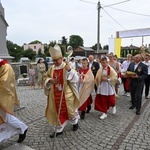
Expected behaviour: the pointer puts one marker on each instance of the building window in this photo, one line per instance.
(34, 47)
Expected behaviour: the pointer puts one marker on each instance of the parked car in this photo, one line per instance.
(79, 57)
(24, 59)
(49, 59)
(37, 59)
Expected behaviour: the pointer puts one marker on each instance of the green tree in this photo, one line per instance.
(35, 42)
(95, 47)
(46, 51)
(63, 49)
(40, 53)
(106, 47)
(30, 54)
(14, 50)
(52, 43)
(75, 41)
(64, 41)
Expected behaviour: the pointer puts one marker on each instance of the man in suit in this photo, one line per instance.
(94, 66)
(137, 82)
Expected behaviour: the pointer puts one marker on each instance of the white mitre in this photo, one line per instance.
(55, 52)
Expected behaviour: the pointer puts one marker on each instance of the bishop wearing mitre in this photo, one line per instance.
(60, 86)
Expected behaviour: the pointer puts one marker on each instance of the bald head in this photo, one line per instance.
(137, 58)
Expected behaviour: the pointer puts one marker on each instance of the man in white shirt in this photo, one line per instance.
(72, 63)
(147, 80)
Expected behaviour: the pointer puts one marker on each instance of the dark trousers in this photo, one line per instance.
(147, 84)
(136, 95)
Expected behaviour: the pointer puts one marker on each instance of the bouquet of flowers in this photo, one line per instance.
(24, 75)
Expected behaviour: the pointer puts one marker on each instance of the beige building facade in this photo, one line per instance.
(34, 47)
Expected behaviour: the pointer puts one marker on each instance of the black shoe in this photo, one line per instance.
(82, 115)
(22, 136)
(146, 97)
(75, 127)
(138, 112)
(88, 109)
(53, 134)
(132, 107)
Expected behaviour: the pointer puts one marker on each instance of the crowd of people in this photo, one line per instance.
(69, 88)
(76, 83)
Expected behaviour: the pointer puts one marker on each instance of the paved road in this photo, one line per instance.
(123, 131)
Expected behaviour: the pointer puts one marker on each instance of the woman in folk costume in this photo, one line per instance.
(61, 82)
(41, 69)
(105, 81)
(9, 124)
(115, 65)
(126, 80)
(86, 86)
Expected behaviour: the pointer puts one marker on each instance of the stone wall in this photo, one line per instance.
(16, 67)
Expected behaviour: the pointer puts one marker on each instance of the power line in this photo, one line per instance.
(98, 25)
(145, 15)
(109, 22)
(119, 23)
(114, 19)
(88, 2)
(116, 3)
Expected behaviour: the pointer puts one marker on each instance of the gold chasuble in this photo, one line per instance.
(112, 75)
(70, 99)
(87, 85)
(8, 96)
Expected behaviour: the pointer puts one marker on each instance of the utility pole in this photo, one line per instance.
(142, 40)
(98, 26)
(98, 21)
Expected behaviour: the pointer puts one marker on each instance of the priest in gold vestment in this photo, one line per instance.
(60, 86)
(9, 124)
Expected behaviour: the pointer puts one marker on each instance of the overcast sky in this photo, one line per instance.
(49, 20)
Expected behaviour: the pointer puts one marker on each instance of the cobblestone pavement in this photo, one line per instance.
(122, 131)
